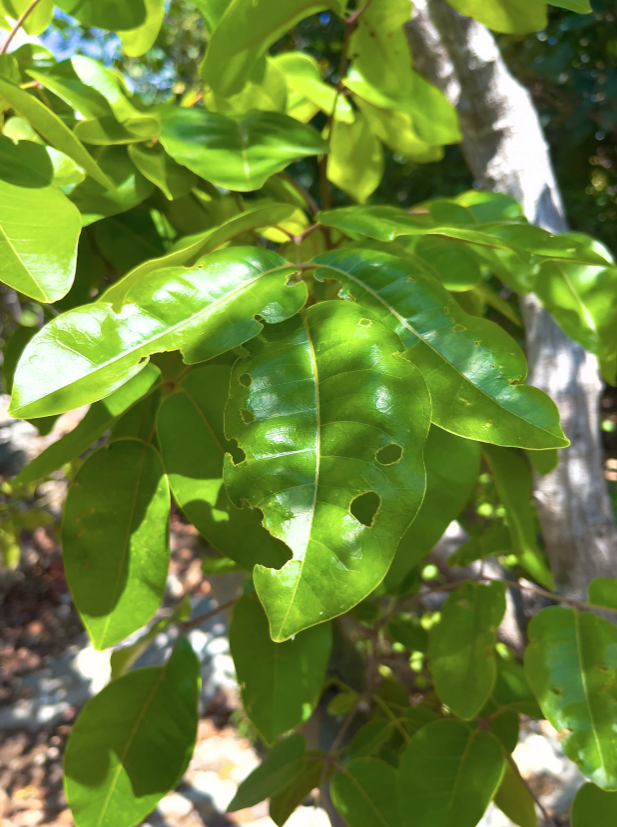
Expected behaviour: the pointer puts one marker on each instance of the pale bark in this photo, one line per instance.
(506, 151)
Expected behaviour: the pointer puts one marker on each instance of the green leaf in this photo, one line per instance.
(197, 246)
(583, 302)
(246, 32)
(114, 539)
(39, 227)
(266, 91)
(193, 445)
(131, 188)
(514, 483)
(514, 799)
(472, 367)
(212, 12)
(365, 793)
(280, 683)
(452, 466)
(303, 76)
(448, 775)
(156, 165)
(52, 129)
(238, 152)
(313, 771)
(87, 353)
(95, 423)
(507, 16)
(63, 80)
(357, 477)
(370, 738)
(409, 632)
(108, 132)
(115, 15)
(593, 807)
(543, 462)
(133, 742)
(571, 669)
(580, 6)
(279, 768)
(129, 239)
(603, 592)
(462, 647)
(37, 20)
(356, 161)
(138, 41)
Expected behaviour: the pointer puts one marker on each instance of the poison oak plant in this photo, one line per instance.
(316, 389)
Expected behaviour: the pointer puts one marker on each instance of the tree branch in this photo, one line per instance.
(20, 22)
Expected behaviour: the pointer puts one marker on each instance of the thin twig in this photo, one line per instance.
(20, 22)
(197, 621)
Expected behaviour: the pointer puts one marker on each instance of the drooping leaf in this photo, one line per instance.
(238, 152)
(507, 16)
(138, 41)
(313, 770)
(39, 227)
(514, 799)
(246, 32)
(452, 466)
(365, 793)
(115, 15)
(571, 669)
(132, 742)
(156, 165)
(114, 539)
(52, 129)
(197, 246)
(280, 682)
(97, 420)
(278, 768)
(303, 77)
(193, 445)
(357, 476)
(356, 161)
(473, 368)
(87, 353)
(462, 647)
(448, 775)
(594, 807)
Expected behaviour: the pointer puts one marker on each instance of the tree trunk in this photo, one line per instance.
(506, 151)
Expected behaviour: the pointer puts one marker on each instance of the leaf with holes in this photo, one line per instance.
(238, 152)
(448, 775)
(364, 793)
(571, 668)
(280, 682)
(114, 539)
(333, 423)
(462, 647)
(87, 353)
(133, 742)
(472, 367)
(193, 445)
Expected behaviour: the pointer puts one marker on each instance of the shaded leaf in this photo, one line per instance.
(107, 131)
(157, 166)
(279, 768)
(593, 807)
(508, 16)
(313, 771)
(514, 799)
(409, 632)
(115, 15)
(365, 793)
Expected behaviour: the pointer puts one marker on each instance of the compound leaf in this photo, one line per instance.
(462, 647)
(333, 423)
(114, 539)
(132, 742)
(193, 445)
(280, 682)
(87, 353)
(472, 367)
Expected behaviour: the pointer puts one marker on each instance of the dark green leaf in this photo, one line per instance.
(448, 775)
(155, 164)
(370, 738)
(357, 477)
(409, 632)
(193, 445)
(280, 682)
(239, 152)
(129, 239)
(365, 793)
(570, 666)
(115, 15)
(462, 647)
(132, 743)
(114, 539)
(473, 368)
(514, 799)
(312, 772)
(593, 807)
(279, 768)
(87, 353)
(508, 16)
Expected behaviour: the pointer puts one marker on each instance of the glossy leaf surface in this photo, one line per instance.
(462, 647)
(193, 445)
(448, 775)
(365, 793)
(472, 367)
(203, 311)
(239, 152)
(357, 477)
(116, 773)
(115, 539)
(594, 807)
(570, 666)
(280, 682)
